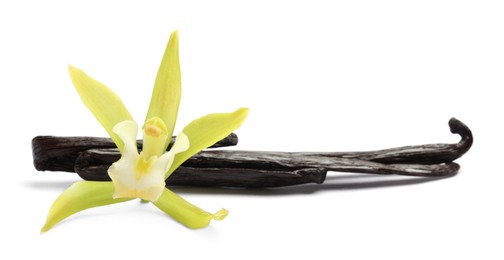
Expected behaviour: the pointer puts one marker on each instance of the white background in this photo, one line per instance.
(317, 76)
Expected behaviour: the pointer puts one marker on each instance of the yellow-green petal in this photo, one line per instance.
(206, 131)
(105, 105)
(167, 88)
(80, 196)
(185, 212)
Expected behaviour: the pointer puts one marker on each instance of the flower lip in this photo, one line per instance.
(142, 175)
(138, 175)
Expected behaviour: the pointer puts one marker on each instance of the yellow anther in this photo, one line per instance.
(152, 130)
(154, 126)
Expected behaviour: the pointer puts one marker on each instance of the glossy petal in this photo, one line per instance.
(80, 196)
(138, 176)
(206, 131)
(105, 105)
(186, 213)
(167, 88)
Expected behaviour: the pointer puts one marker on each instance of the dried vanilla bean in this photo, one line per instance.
(53, 153)
(244, 178)
(93, 164)
(418, 154)
(272, 169)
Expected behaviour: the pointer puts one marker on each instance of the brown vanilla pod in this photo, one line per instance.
(273, 169)
(55, 153)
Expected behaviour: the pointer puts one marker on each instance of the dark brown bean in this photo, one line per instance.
(273, 169)
(55, 153)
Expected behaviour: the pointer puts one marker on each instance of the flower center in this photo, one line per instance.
(143, 165)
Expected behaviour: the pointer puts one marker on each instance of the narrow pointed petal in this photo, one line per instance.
(167, 88)
(185, 212)
(80, 196)
(206, 131)
(105, 105)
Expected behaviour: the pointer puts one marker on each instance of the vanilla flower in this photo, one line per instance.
(142, 175)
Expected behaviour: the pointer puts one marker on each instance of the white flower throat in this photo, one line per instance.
(143, 175)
